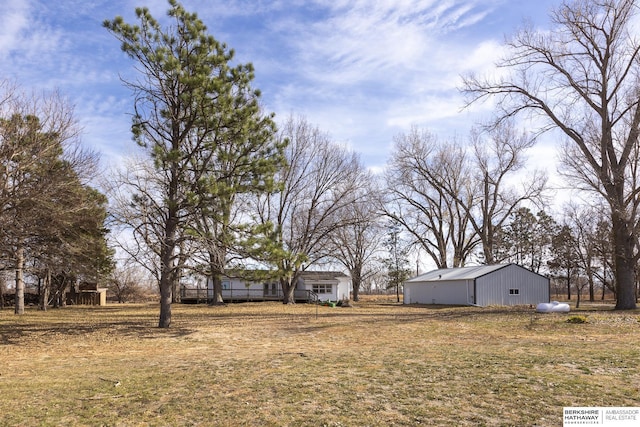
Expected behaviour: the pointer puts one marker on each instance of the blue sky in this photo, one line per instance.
(363, 71)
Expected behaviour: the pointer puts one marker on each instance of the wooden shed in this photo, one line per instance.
(501, 284)
(87, 294)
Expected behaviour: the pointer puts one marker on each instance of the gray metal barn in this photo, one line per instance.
(501, 284)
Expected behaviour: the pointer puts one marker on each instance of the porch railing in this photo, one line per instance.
(202, 295)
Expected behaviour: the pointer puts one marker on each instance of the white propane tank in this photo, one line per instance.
(552, 307)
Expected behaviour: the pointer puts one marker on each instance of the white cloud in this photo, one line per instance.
(397, 47)
(14, 21)
(360, 42)
(368, 70)
(423, 110)
(361, 70)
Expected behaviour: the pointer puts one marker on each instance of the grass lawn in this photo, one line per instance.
(268, 364)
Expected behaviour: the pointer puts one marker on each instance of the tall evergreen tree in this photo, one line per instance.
(397, 261)
(527, 239)
(245, 162)
(564, 263)
(189, 102)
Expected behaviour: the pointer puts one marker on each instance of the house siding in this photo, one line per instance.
(336, 286)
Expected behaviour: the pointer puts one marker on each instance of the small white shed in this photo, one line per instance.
(500, 284)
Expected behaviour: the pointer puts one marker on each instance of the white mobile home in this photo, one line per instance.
(502, 284)
(312, 286)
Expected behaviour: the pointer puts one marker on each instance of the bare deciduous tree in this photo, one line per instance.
(581, 77)
(452, 198)
(128, 283)
(318, 183)
(498, 159)
(136, 213)
(426, 193)
(356, 244)
(584, 221)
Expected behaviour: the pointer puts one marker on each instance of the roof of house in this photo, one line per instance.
(264, 274)
(460, 273)
(322, 275)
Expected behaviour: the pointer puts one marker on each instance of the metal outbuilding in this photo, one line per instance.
(500, 284)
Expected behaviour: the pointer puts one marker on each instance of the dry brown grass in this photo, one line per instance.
(268, 364)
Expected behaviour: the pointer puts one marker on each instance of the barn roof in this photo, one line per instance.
(460, 273)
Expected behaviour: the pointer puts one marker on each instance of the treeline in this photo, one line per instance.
(471, 202)
(52, 220)
(219, 186)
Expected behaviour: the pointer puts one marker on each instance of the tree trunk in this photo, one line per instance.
(487, 227)
(624, 265)
(167, 275)
(356, 280)
(175, 291)
(59, 299)
(44, 291)
(488, 252)
(216, 265)
(288, 291)
(356, 290)
(165, 303)
(166, 286)
(19, 298)
(590, 282)
(217, 290)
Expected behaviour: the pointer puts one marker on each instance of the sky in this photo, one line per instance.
(360, 70)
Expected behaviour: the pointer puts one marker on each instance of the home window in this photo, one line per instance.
(322, 288)
(514, 291)
(226, 285)
(270, 289)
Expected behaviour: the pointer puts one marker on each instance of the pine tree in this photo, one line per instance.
(190, 104)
